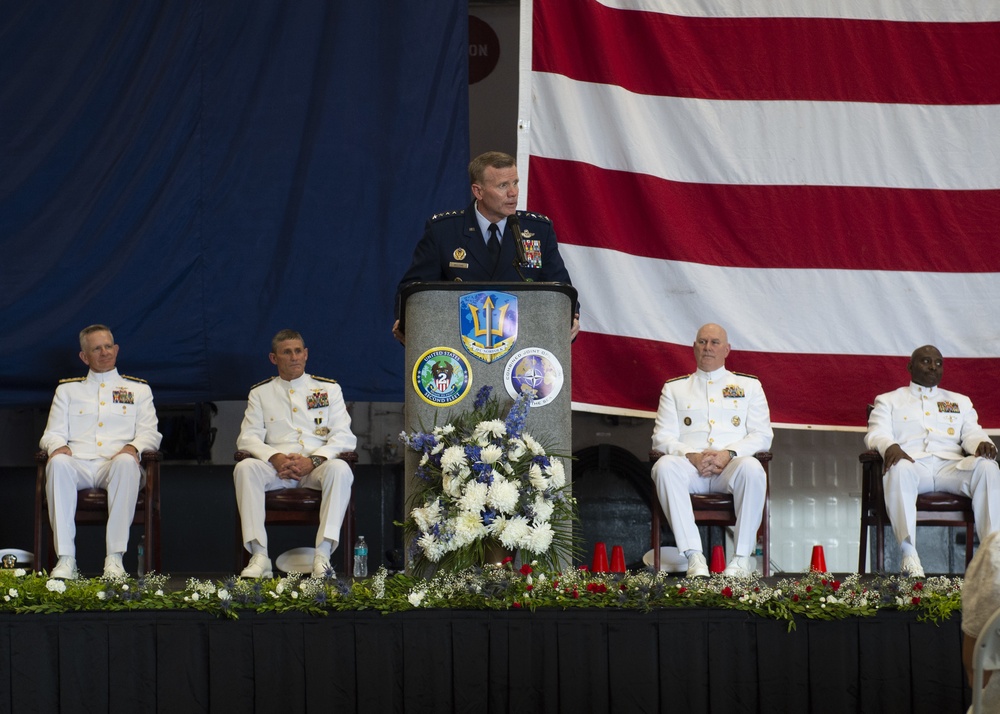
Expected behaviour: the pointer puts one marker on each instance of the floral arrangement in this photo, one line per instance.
(494, 587)
(483, 482)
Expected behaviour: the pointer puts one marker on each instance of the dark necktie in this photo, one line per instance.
(493, 244)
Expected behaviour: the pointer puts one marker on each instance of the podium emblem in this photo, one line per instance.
(534, 371)
(442, 376)
(488, 322)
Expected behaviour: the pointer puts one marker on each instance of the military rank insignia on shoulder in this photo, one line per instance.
(134, 379)
(683, 376)
(72, 379)
(323, 379)
(534, 216)
(446, 214)
(262, 383)
(748, 376)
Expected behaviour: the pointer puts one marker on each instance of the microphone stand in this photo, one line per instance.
(521, 258)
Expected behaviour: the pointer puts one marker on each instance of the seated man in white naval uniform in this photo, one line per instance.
(930, 440)
(98, 425)
(295, 425)
(709, 425)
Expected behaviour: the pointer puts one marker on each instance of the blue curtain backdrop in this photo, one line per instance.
(201, 174)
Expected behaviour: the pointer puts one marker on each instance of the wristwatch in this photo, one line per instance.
(317, 460)
(732, 454)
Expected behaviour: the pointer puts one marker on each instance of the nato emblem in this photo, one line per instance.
(488, 323)
(536, 372)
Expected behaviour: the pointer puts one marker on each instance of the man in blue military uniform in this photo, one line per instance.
(709, 425)
(478, 243)
(98, 426)
(930, 440)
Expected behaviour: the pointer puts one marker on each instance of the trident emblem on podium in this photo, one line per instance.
(488, 322)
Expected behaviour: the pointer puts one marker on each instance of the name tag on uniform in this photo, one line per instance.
(453, 264)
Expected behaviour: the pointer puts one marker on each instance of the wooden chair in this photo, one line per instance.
(92, 509)
(716, 509)
(300, 506)
(936, 508)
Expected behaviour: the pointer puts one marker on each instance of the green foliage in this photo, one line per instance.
(814, 596)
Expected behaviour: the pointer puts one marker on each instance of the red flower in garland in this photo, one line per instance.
(918, 586)
(795, 598)
(915, 600)
(727, 591)
(517, 605)
(506, 560)
(526, 569)
(529, 588)
(576, 594)
(681, 591)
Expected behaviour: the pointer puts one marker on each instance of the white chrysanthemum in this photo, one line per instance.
(516, 449)
(444, 430)
(424, 459)
(468, 529)
(557, 473)
(473, 500)
(438, 448)
(540, 538)
(427, 516)
(543, 509)
(515, 533)
(537, 478)
(533, 446)
(490, 454)
(432, 547)
(453, 459)
(503, 495)
(452, 485)
(486, 430)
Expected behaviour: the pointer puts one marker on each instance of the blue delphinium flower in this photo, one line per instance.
(482, 396)
(517, 416)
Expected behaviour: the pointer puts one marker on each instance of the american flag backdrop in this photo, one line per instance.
(820, 177)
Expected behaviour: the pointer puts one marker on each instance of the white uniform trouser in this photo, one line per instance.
(906, 479)
(121, 477)
(254, 477)
(676, 478)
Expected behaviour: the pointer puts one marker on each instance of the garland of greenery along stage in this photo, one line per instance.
(493, 587)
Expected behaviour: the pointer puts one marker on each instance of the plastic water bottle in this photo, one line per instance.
(361, 558)
(141, 551)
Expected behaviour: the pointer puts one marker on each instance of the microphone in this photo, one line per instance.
(515, 228)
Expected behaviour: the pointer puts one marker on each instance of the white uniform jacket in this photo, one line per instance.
(99, 414)
(719, 410)
(305, 416)
(925, 421)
